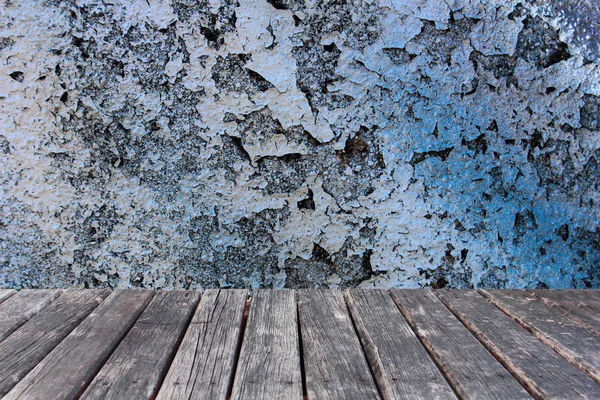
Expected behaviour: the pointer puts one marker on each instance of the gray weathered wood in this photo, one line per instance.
(17, 309)
(68, 369)
(391, 346)
(539, 369)
(203, 365)
(471, 369)
(269, 361)
(6, 293)
(334, 362)
(579, 305)
(139, 364)
(587, 293)
(577, 344)
(29, 344)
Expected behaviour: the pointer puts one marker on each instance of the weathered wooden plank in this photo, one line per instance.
(139, 364)
(6, 293)
(334, 362)
(269, 361)
(29, 344)
(391, 346)
(581, 294)
(541, 370)
(577, 344)
(69, 368)
(585, 294)
(579, 305)
(590, 293)
(17, 309)
(469, 367)
(203, 366)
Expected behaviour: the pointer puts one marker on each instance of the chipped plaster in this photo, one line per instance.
(384, 143)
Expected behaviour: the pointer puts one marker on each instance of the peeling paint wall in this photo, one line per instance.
(303, 143)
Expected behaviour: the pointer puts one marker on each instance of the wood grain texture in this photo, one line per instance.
(203, 366)
(579, 305)
(540, 369)
(590, 293)
(26, 347)
(391, 345)
(269, 361)
(17, 309)
(577, 344)
(6, 293)
(471, 369)
(69, 368)
(334, 362)
(139, 364)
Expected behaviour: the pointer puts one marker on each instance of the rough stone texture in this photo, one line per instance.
(297, 143)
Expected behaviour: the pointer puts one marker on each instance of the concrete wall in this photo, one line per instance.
(207, 143)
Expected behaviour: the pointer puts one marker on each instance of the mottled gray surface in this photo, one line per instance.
(299, 143)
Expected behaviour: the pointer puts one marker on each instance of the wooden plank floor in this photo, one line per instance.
(311, 344)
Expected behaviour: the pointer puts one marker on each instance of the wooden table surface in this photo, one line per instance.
(299, 344)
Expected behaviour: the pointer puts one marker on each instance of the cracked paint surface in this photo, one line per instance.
(281, 143)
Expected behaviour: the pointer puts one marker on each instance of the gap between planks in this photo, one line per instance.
(238, 348)
(301, 350)
(177, 346)
(6, 293)
(362, 346)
